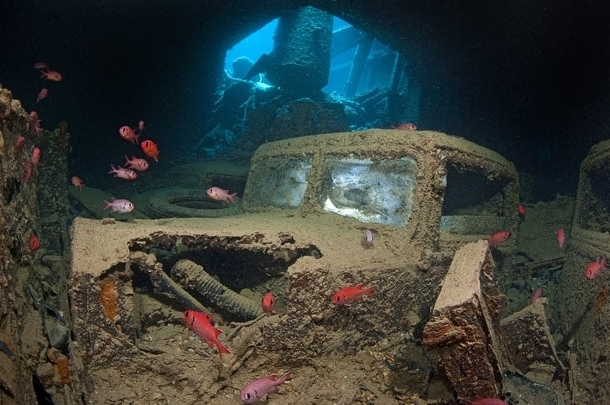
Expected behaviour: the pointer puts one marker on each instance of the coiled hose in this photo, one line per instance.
(194, 277)
(150, 265)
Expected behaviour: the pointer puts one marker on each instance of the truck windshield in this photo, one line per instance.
(378, 192)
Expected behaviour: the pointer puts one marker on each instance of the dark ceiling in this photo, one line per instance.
(529, 79)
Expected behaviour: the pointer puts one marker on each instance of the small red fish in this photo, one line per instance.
(27, 171)
(347, 295)
(521, 210)
(41, 65)
(561, 237)
(537, 294)
(150, 149)
(137, 164)
(129, 134)
(77, 182)
(219, 194)
(123, 173)
(595, 267)
(34, 123)
(50, 75)
(20, 144)
(34, 243)
(141, 126)
(42, 94)
(498, 237)
(199, 322)
(407, 126)
(35, 159)
(261, 387)
(267, 303)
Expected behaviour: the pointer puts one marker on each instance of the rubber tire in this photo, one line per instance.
(188, 203)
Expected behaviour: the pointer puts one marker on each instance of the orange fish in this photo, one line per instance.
(561, 237)
(199, 322)
(268, 301)
(77, 182)
(594, 268)
(498, 237)
(347, 295)
(150, 149)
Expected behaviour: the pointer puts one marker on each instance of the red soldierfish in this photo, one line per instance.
(129, 134)
(34, 123)
(267, 303)
(137, 164)
(150, 149)
(34, 243)
(200, 323)
(594, 268)
(537, 294)
(35, 160)
(77, 182)
(261, 387)
(408, 126)
(27, 171)
(521, 210)
(121, 206)
(347, 295)
(42, 94)
(561, 237)
(19, 145)
(498, 237)
(123, 173)
(219, 194)
(50, 75)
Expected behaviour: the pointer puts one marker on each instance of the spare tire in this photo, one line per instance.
(188, 203)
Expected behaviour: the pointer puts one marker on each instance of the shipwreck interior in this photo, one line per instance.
(461, 185)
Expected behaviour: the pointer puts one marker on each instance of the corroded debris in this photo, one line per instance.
(463, 326)
(194, 277)
(150, 265)
(530, 344)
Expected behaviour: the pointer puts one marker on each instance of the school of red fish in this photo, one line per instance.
(201, 323)
(131, 166)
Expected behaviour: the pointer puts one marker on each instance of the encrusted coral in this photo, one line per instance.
(61, 365)
(109, 298)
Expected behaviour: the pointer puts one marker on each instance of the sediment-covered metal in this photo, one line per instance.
(462, 327)
(194, 277)
(154, 269)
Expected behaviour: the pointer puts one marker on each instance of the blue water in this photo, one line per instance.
(261, 42)
(253, 46)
